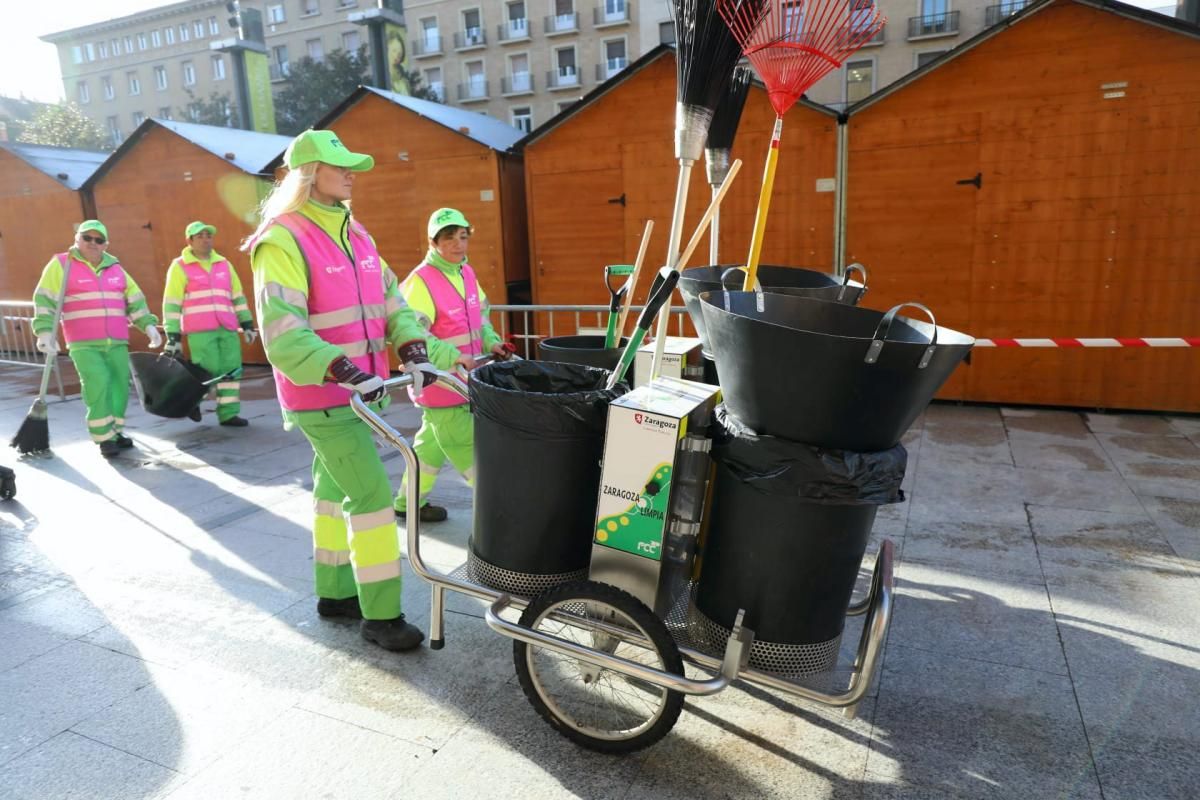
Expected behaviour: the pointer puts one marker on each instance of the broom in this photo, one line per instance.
(720, 142)
(34, 434)
(705, 54)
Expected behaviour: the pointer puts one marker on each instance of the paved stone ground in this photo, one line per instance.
(158, 636)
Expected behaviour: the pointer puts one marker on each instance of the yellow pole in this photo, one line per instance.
(764, 205)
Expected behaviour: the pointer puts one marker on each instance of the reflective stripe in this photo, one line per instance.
(378, 572)
(104, 437)
(227, 399)
(332, 558)
(293, 296)
(171, 315)
(330, 319)
(278, 327)
(327, 508)
(429, 470)
(93, 312)
(372, 519)
(100, 423)
(136, 298)
(49, 295)
(362, 347)
(240, 305)
(393, 303)
(203, 309)
(200, 294)
(102, 295)
(119, 421)
(423, 318)
(458, 341)
(231, 386)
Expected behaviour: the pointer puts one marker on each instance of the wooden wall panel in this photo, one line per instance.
(1085, 221)
(37, 219)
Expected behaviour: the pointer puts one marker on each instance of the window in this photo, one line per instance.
(522, 118)
(614, 57)
(138, 118)
(666, 32)
(89, 51)
(563, 105)
(564, 60)
(476, 83)
(135, 83)
(472, 32)
(107, 85)
(114, 129)
(310, 8)
(116, 47)
(921, 59)
(129, 45)
(76, 55)
(213, 27)
(218, 68)
(141, 37)
(155, 39)
(85, 95)
(351, 41)
(280, 68)
(315, 49)
(189, 74)
(198, 29)
(615, 11)
(169, 33)
(164, 112)
(518, 71)
(185, 34)
(518, 23)
(103, 48)
(433, 79)
(431, 40)
(160, 78)
(275, 14)
(347, 3)
(860, 79)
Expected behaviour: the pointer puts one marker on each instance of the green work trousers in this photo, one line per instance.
(104, 380)
(356, 549)
(445, 434)
(220, 352)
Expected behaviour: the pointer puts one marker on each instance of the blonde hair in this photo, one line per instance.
(288, 195)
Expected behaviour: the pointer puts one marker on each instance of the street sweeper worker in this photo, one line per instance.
(203, 300)
(329, 308)
(449, 301)
(100, 300)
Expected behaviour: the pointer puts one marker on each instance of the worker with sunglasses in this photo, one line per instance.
(448, 300)
(99, 300)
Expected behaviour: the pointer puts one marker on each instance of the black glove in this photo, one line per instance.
(174, 345)
(414, 357)
(348, 376)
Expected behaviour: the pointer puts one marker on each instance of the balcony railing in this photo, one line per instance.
(472, 90)
(427, 46)
(944, 24)
(515, 30)
(470, 39)
(610, 68)
(562, 78)
(998, 13)
(521, 83)
(562, 23)
(610, 13)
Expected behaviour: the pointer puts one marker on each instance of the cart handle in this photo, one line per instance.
(632, 669)
(885, 326)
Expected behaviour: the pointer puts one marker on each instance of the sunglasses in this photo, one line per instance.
(93, 239)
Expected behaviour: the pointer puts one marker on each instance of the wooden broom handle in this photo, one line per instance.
(708, 215)
(633, 279)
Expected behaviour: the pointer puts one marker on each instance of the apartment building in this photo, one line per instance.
(151, 64)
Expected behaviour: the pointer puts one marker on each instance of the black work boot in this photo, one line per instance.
(110, 449)
(391, 634)
(235, 422)
(429, 513)
(124, 442)
(347, 608)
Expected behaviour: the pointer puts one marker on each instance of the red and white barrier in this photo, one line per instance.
(1184, 341)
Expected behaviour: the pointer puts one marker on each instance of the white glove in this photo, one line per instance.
(156, 339)
(47, 343)
(424, 374)
(250, 335)
(173, 346)
(371, 386)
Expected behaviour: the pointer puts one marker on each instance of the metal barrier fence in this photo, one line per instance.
(524, 326)
(18, 345)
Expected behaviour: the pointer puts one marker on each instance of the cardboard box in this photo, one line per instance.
(682, 358)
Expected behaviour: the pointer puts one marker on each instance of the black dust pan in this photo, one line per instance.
(694, 281)
(827, 374)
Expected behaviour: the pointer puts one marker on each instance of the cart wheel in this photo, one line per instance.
(597, 708)
(8, 488)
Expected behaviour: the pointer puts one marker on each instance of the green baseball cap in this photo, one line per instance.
(199, 227)
(92, 225)
(444, 218)
(327, 148)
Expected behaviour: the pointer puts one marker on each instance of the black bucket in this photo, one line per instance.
(827, 374)
(168, 387)
(786, 536)
(539, 438)
(694, 281)
(586, 349)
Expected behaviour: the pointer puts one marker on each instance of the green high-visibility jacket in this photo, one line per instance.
(176, 288)
(45, 298)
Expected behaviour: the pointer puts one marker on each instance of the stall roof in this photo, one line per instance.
(67, 165)
(249, 151)
(1112, 6)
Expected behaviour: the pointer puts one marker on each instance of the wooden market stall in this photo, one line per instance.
(167, 174)
(41, 202)
(598, 170)
(1043, 180)
(429, 155)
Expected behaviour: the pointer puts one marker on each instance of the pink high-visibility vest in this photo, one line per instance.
(458, 320)
(94, 304)
(347, 306)
(208, 298)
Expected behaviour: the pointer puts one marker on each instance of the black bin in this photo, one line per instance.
(539, 438)
(586, 349)
(788, 529)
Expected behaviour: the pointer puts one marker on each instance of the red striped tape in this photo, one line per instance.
(1179, 341)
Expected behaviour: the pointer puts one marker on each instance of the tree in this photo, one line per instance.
(65, 125)
(314, 86)
(218, 109)
(416, 86)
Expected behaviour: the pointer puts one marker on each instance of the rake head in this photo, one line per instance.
(792, 44)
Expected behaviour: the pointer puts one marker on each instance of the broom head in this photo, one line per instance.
(724, 125)
(34, 434)
(792, 44)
